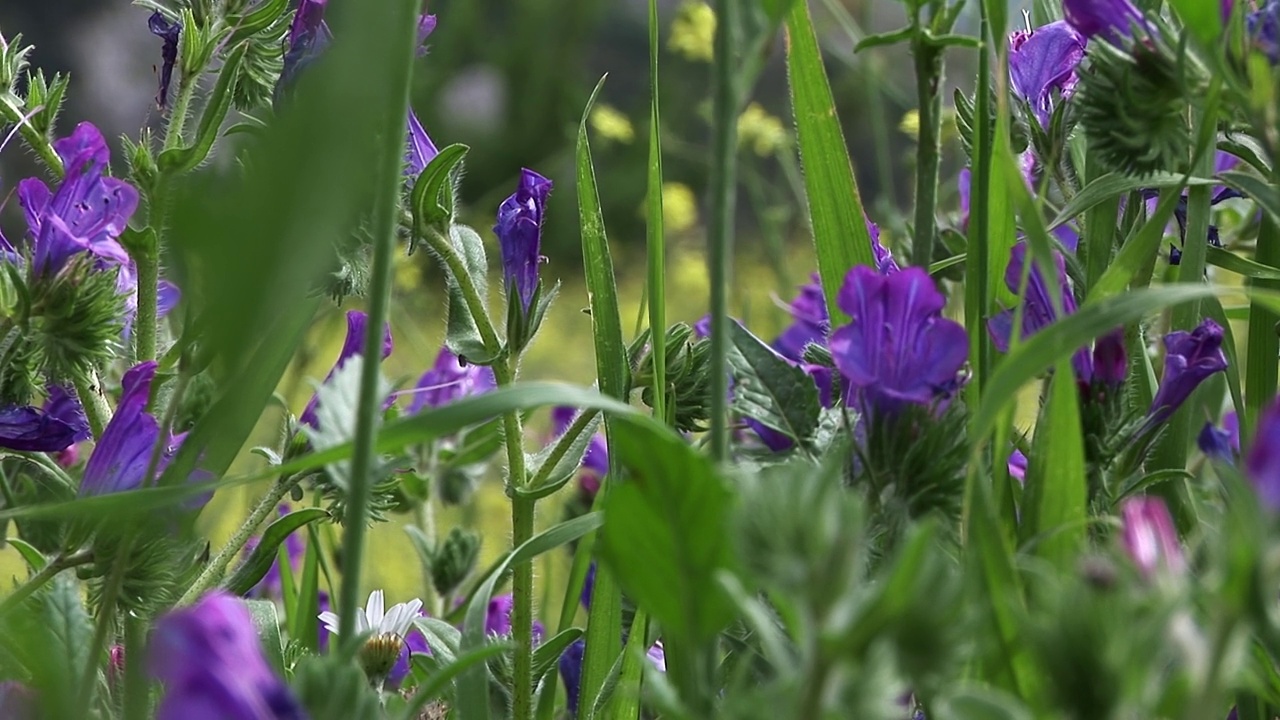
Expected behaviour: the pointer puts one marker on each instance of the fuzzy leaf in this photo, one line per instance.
(771, 390)
(462, 337)
(266, 621)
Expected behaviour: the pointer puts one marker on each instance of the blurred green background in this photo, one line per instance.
(509, 79)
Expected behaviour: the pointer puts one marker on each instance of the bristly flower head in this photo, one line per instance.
(897, 349)
(519, 231)
(1262, 466)
(211, 664)
(1110, 19)
(1149, 537)
(169, 31)
(352, 346)
(449, 380)
(1043, 62)
(1190, 358)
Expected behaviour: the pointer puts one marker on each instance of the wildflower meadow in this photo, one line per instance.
(1014, 454)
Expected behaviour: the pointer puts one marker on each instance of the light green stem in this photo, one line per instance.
(96, 409)
(928, 64)
(724, 145)
(45, 574)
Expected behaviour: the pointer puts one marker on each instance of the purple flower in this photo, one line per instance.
(352, 346)
(498, 619)
(308, 36)
(595, 462)
(169, 31)
(414, 642)
(1221, 443)
(449, 380)
(86, 214)
(123, 454)
(1018, 465)
(420, 148)
(884, 259)
(1110, 360)
(898, 348)
(1190, 358)
(810, 321)
(426, 26)
(1042, 62)
(1111, 19)
(65, 406)
(1038, 310)
(1262, 466)
(17, 701)
(1149, 538)
(209, 660)
(519, 231)
(571, 673)
(1264, 27)
(31, 429)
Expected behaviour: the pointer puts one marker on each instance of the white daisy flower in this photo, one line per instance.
(395, 621)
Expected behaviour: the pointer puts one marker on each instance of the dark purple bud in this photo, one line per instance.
(1215, 443)
(519, 231)
(1110, 361)
(898, 348)
(1190, 358)
(426, 26)
(449, 380)
(169, 31)
(588, 586)
(209, 660)
(498, 619)
(1113, 20)
(30, 429)
(1043, 63)
(1262, 466)
(571, 673)
(352, 346)
(1149, 537)
(1018, 465)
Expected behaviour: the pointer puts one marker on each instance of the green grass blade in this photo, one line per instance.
(1056, 484)
(1263, 342)
(840, 235)
(655, 236)
(604, 623)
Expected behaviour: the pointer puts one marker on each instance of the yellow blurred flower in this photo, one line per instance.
(612, 124)
(762, 131)
(693, 32)
(407, 274)
(910, 124)
(679, 207)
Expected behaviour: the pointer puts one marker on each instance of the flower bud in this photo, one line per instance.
(454, 560)
(1149, 538)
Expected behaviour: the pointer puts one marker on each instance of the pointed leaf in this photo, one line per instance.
(259, 562)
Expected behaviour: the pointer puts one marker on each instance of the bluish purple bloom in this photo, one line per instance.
(519, 231)
(1264, 27)
(1262, 465)
(1042, 65)
(497, 620)
(1190, 358)
(308, 36)
(123, 454)
(571, 673)
(426, 26)
(420, 148)
(449, 380)
(414, 642)
(1018, 465)
(212, 666)
(1221, 443)
(30, 429)
(169, 31)
(1113, 20)
(588, 586)
(352, 346)
(810, 321)
(1038, 311)
(1149, 538)
(898, 348)
(595, 462)
(86, 214)
(1110, 359)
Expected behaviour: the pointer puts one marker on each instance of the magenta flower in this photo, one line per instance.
(1262, 466)
(212, 666)
(1042, 65)
(1113, 20)
(449, 380)
(1190, 358)
(1149, 537)
(897, 349)
(352, 346)
(519, 231)
(169, 31)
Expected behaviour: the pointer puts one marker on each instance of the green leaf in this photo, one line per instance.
(443, 639)
(558, 463)
(33, 557)
(1232, 262)
(436, 681)
(337, 413)
(1202, 19)
(838, 222)
(259, 562)
(255, 22)
(1114, 185)
(1256, 189)
(433, 209)
(624, 699)
(893, 37)
(604, 622)
(70, 630)
(982, 704)
(304, 625)
(462, 336)
(1057, 490)
(666, 532)
(183, 160)
(473, 684)
(771, 390)
(266, 621)
(1138, 251)
(655, 238)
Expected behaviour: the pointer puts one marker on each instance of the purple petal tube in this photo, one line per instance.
(30, 429)
(1190, 358)
(352, 345)
(420, 148)
(1043, 62)
(1113, 20)
(1110, 360)
(571, 673)
(119, 461)
(1149, 538)
(449, 380)
(1262, 465)
(209, 660)
(170, 32)
(519, 231)
(898, 349)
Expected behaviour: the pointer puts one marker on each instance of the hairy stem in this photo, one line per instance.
(37, 581)
(928, 66)
(724, 145)
(96, 409)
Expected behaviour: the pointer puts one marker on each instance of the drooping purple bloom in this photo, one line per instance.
(169, 31)
(30, 429)
(1043, 63)
(352, 346)
(448, 381)
(212, 666)
(420, 148)
(1149, 538)
(1190, 358)
(519, 231)
(86, 214)
(1262, 465)
(898, 348)
(1038, 308)
(123, 454)
(595, 462)
(571, 673)
(1113, 20)
(426, 26)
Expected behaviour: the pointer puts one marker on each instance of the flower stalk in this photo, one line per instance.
(724, 144)
(96, 410)
(929, 69)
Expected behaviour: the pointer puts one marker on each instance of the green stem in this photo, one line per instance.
(386, 218)
(928, 65)
(178, 114)
(217, 567)
(976, 282)
(724, 143)
(522, 515)
(147, 260)
(1263, 341)
(37, 581)
(96, 409)
(136, 687)
(1099, 228)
